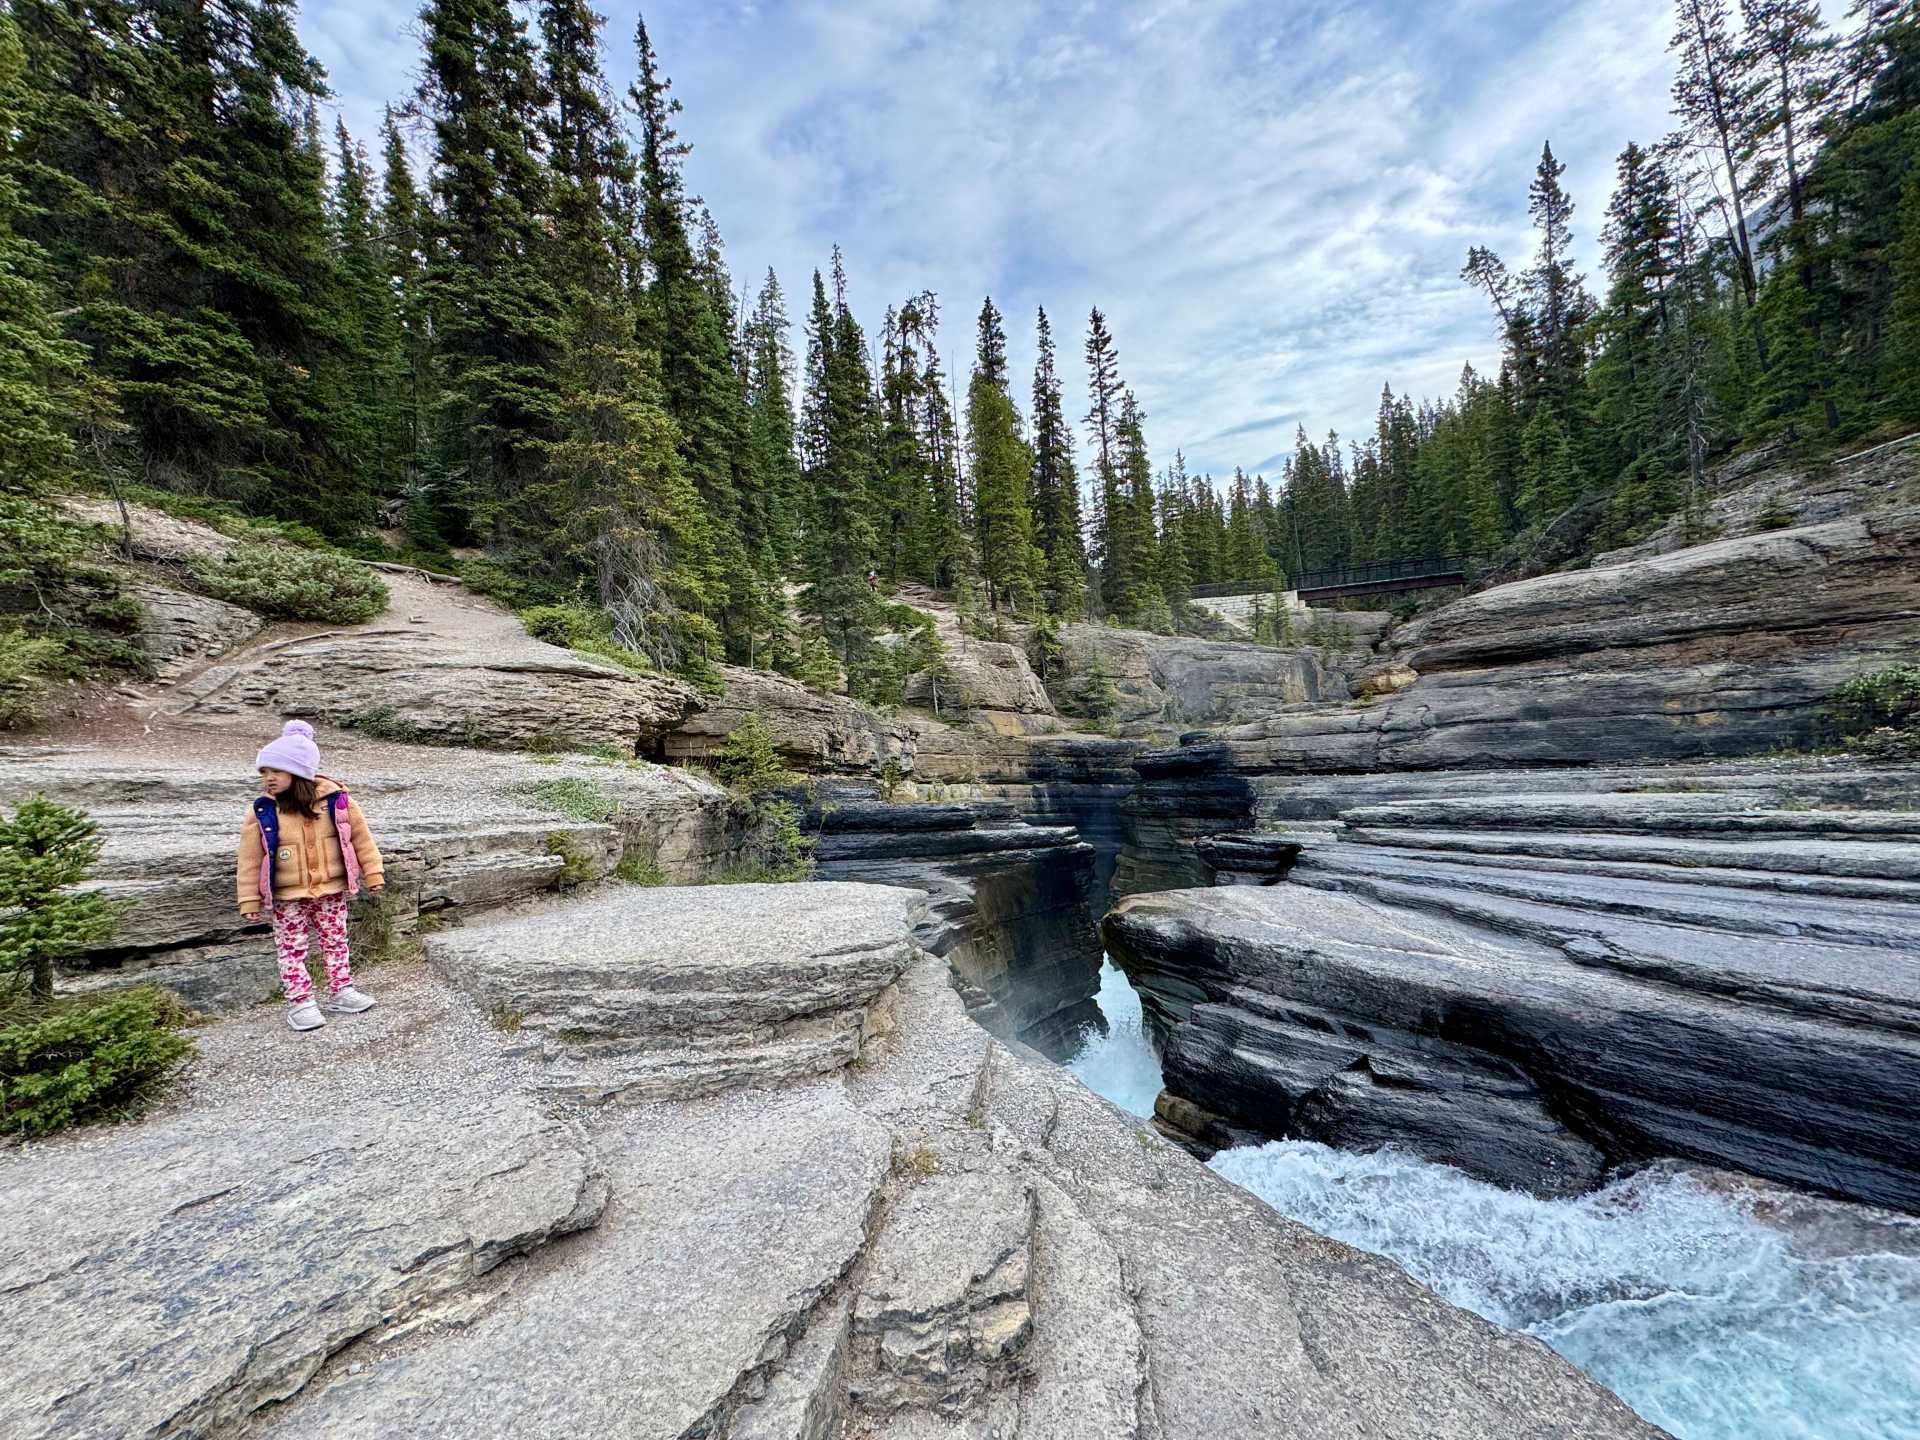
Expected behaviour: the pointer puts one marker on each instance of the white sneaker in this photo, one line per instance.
(348, 1001)
(305, 1016)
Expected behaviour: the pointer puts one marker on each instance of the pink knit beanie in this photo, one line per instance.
(294, 752)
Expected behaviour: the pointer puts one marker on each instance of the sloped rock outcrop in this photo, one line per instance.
(1178, 680)
(415, 683)
(1534, 986)
(815, 733)
(1755, 492)
(946, 1238)
(1723, 649)
(178, 628)
(989, 681)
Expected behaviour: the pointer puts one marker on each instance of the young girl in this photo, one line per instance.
(304, 852)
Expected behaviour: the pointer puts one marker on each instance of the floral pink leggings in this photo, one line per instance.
(328, 915)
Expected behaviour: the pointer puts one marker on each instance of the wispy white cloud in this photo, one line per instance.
(1269, 198)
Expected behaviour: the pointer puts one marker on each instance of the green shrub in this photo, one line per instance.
(619, 654)
(296, 584)
(882, 677)
(637, 869)
(385, 722)
(815, 667)
(374, 938)
(746, 761)
(567, 625)
(576, 865)
(571, 795)
(1878, 713)
(59, 616)
(25, 663)
(489, 577)
(1045, 651)
(226, 517)
(892, 777)
(1097, 693)
(777, 849)
(96, 1060)
(574, 626)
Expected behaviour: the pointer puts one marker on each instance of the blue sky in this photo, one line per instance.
(1271, 201)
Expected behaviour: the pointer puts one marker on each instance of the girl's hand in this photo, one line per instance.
(375, 889)
(252, 917)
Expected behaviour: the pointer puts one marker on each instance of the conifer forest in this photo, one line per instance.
(499, 337)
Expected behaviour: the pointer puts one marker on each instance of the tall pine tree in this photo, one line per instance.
(497, 315)
(1055, 488)
(1001, 462)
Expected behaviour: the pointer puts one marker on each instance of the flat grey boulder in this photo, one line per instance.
(173, 1278)
(178, 628)
(651, 992)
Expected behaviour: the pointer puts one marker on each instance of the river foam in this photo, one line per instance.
(1122, 1064)
(1718, 1307)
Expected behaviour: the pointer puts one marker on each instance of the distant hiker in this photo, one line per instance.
(305, 851)
(873, 581)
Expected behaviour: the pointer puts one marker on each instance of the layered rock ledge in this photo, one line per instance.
(1537, 986)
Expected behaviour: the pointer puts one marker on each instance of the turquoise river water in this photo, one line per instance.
(1717, 1309)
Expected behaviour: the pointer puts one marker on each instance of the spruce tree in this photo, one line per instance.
(951, 561)
(1055, 488)
(181, 211)
(613, 501)
(1556, 297)
(497, 315)
(1550, 478)
(683, 320)
(47, 395)
(402, 225)
(1001, 463)
(839, 434)
(1173, 571)
(1713, 90)
(1137, 595)
(1246, 557)
(368, 371)
(1900, 371)
(770, 417)
(1103, 424)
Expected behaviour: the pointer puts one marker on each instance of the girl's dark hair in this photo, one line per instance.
(298, 798)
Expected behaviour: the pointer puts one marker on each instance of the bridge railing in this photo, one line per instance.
(1372, 573)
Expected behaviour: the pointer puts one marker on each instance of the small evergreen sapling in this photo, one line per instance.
(1097, 693)
(44, 849)
(63, 1064)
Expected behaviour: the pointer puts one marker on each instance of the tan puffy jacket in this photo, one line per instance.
(308, 862)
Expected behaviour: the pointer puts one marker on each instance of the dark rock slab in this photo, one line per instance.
(1640, 1035)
